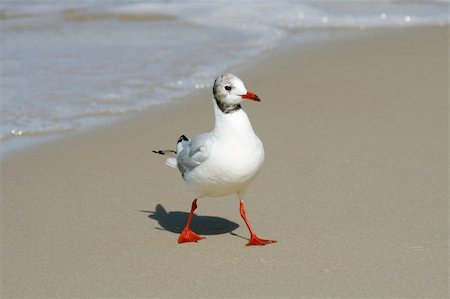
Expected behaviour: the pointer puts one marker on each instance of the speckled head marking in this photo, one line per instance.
(228, 90)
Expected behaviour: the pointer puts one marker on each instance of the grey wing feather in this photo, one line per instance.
(191, 153)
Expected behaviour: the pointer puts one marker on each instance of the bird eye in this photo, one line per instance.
(228, 87)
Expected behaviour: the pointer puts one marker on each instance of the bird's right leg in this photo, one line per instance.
(187, 235)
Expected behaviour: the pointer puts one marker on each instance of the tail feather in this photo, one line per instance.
(171, 161)
(169, 153)
(172, 155)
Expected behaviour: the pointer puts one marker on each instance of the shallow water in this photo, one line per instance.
(66, 65)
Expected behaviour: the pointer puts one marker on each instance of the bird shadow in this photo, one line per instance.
(204, 225)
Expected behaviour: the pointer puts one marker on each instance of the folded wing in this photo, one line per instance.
(191, 153)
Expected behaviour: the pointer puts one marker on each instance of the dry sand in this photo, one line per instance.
(354, 188)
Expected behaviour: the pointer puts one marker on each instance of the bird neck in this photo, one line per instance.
(235, 123)
(227, 108)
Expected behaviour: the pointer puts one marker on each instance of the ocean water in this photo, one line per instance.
(66, 65)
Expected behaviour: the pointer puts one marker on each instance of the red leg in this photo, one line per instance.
(187, 235)
(254, 240)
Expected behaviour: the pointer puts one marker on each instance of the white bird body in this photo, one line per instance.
(233, 152)
(225, 160)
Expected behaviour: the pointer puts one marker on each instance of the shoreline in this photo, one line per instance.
(16, 145)
(354, 187)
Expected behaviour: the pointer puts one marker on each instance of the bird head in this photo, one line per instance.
(229, 91)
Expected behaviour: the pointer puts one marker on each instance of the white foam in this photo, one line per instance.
(64, 62)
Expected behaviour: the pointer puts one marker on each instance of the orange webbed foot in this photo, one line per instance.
(254, 240)
(188, 235)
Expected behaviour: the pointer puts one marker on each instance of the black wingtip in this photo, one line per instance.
(181, 138)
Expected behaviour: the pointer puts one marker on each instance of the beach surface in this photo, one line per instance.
(354, 187)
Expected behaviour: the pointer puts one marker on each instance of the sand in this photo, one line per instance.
(354, 188)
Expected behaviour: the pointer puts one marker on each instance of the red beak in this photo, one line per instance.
(251, 96)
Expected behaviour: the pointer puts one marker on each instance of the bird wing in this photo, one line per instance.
(191, 153)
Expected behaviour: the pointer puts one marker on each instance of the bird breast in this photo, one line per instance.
(235, 156)
(235, 161)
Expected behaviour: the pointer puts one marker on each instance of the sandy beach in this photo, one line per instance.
(354, 188)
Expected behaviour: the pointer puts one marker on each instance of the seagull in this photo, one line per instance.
(225, 160)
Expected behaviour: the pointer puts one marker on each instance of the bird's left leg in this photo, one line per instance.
(254, 240)
(187, 235)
